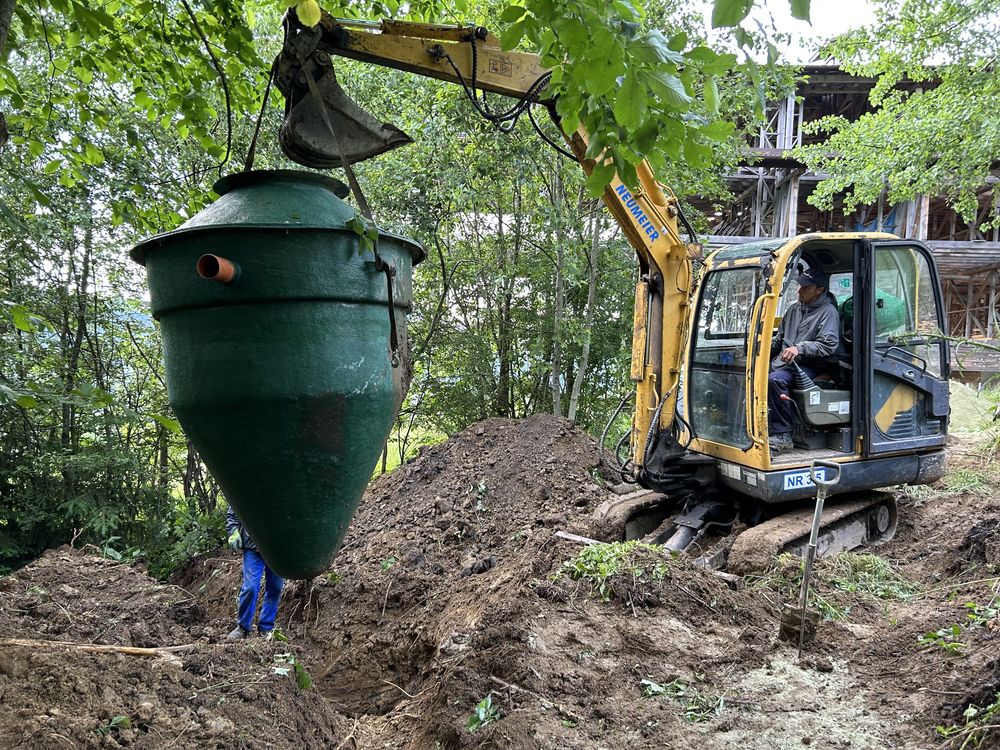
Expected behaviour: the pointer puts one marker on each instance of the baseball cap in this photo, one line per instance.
(813, 276)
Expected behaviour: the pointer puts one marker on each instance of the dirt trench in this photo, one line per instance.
(451, 589)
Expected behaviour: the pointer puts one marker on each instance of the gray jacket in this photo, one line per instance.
(232, 524)
(814, 329)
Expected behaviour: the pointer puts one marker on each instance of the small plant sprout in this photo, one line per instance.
(484, 713)
(388, 562)
(117, 722)
(697, 706)
(481, 491)
(947, 639)
(979, 722)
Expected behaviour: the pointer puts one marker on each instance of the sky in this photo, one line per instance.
(827, 19)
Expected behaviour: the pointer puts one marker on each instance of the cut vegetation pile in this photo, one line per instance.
(454, 617)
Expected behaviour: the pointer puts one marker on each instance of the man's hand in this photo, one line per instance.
(235, 542)
(789, 354)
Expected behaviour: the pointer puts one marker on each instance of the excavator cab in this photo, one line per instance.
(880, 402)
(878, 408)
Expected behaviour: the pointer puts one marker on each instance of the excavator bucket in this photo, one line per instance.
(306, 136)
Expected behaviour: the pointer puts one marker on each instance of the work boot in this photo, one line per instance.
(780, 442)
(237, 634)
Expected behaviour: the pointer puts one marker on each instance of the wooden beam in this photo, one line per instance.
(95, 648)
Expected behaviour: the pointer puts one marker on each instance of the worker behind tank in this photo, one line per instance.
(254, 568)
(809, 332)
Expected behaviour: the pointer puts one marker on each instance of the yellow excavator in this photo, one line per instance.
(698, 449)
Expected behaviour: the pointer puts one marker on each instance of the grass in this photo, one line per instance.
(862, 575)
(969, 481)
(871, 575)
(598, 564)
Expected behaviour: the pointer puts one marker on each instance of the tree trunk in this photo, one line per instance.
(163, 456)
(6, 15)
(555, 372)
(72, 340)
(588, 325)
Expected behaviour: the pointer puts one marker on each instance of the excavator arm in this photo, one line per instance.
(324, 128)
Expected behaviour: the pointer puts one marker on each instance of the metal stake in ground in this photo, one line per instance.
(823, 486)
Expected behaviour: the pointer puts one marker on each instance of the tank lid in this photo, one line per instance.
(263, 176)
(268, 199)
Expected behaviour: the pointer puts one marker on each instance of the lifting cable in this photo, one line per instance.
(380, 264)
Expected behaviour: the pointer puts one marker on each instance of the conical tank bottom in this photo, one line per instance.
(281, 375)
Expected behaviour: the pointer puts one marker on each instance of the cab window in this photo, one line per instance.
(717, 386)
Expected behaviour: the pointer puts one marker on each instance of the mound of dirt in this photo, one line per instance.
(456, 617)
(169, 682)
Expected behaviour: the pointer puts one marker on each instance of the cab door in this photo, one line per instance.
(906, 362)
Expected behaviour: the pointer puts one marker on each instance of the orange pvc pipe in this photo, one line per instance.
(216, 268)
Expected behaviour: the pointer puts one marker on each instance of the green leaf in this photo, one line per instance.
(800, 9)
(672, 137)
(512, 13)
(654, 47)
(697, 154)
(23, 320)
(303, 680)
(594, 147)
(171, 424)
(669, 90)
(93, 155)
(720, 65)
(719, 130)
(730, 12)
(24, 400)
(599, 178)
(711, 96)
(513, 35)
(568, 108)
(601, 79)
(630, 103)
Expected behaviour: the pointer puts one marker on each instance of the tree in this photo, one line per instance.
(935, 128)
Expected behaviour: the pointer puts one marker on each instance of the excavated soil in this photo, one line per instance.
(447, 592)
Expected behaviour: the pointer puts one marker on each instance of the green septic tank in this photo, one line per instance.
(276, 342)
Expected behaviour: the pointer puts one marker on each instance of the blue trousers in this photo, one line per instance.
(254, 568)
(781, 413)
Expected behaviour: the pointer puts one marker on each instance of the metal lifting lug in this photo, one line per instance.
(436, 51)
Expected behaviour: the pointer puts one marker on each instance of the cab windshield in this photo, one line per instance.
(717, 386)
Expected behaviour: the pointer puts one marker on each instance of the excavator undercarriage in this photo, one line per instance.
(739, 535)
